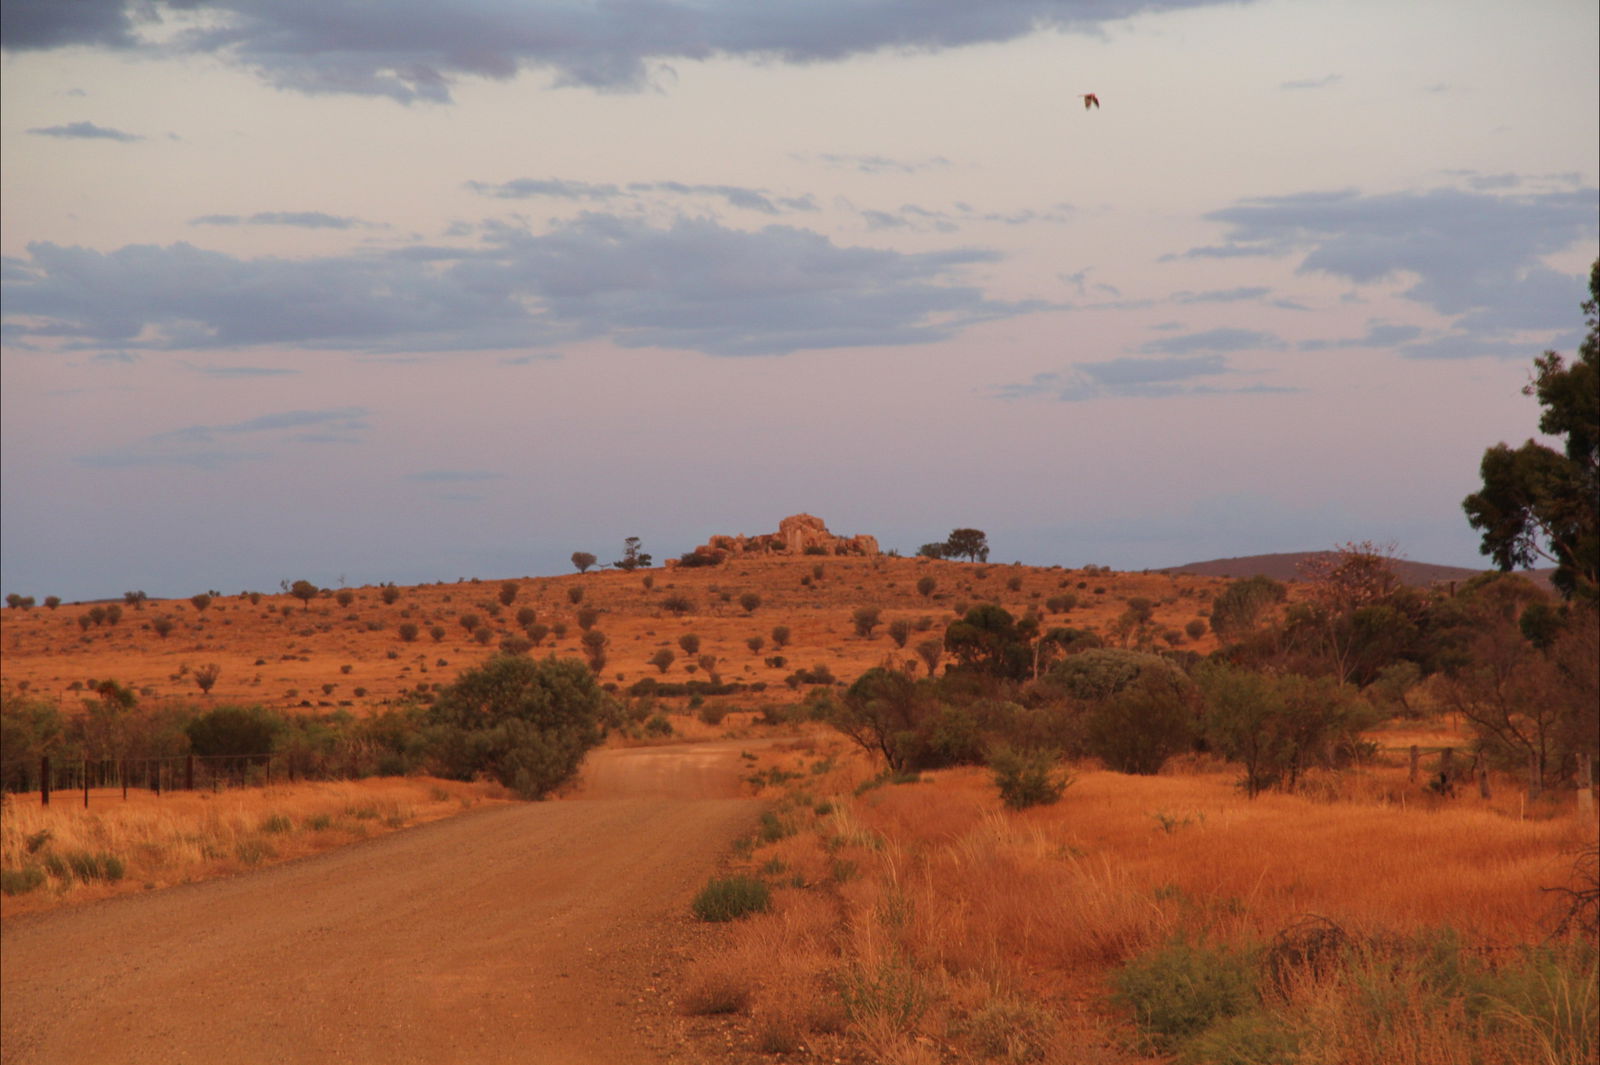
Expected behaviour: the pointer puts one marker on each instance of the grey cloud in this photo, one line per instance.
(1136, 378)
(1213, 340)
(198, 446)
(1378, 335)
(694, 284)
(302, 219)
(1230, 295)
(1474, 255)
(877, 164)
(1313, 83)
(556, 188)
(85, 131)
(527, 188)
(36, 24)
(413, 49)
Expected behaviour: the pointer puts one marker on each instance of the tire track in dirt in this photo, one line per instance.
(517, 933)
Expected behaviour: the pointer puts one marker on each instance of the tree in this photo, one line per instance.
(881, 712)
(594, 646)
(525, 723)
(206, 677)
(583, 560)
(865, 619)
(663, 659)
(971, 544)
(235, 731)
(989, 641)
(632, 557)
(935, 551)
(304, 591)
(508, 592)
(1539, 503)
(1236, 611)
(749, 601)
(925, 586)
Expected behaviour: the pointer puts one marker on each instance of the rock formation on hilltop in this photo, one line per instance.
(798, 534)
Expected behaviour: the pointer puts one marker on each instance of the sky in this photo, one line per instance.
(439, 289)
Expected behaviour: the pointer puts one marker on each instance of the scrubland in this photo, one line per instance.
(1155, 915)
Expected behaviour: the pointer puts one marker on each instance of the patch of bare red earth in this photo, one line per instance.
(534, 933)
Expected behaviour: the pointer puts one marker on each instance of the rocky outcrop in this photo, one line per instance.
(798, 534)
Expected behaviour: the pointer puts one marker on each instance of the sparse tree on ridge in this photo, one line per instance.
(583, 560)
(971, 544)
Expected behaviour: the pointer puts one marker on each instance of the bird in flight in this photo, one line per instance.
(1089, 100)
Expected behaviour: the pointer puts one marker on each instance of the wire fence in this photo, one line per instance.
(71, 777)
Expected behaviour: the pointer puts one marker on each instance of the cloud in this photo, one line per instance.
(1213, 340)
(693, 284)
(301, 219)
(1131, 377)
(528, 188)
(85, 131)
(207, 447)
(1327, 81)
(1229, 295)
(36, 24)
(1378, 335)
(874, 164)
(750, 199)
(414, 49)
(1469, 255)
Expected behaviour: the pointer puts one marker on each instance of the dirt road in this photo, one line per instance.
(517, 934)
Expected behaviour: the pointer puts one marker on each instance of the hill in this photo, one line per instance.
(347, 648)
(1288, 567)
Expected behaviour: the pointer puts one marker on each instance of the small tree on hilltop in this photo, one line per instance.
(200, 602)
(632, 557)
(583, 560)
(206, 677)
(508, 592)
(304, 591)
(971, 544)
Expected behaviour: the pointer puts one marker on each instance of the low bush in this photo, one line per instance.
(730, 898)
(1179, 990)
(1028, 778)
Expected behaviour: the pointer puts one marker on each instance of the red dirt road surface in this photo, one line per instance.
(515, 934)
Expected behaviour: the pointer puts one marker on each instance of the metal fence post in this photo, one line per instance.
(44, 781)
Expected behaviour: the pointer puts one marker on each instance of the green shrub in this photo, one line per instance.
(21, 881)
(1027, 778)
(1009, 1029)
(88, 867)
(1179, 990)
(730, 898)
(1254, 1038)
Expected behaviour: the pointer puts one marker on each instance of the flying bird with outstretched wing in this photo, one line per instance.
(1089, 100)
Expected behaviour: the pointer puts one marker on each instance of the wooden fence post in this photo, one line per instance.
(86, 783)
(44, 781)
(1483, 782)
(1416, 757)
(1535, 777)
(1585, 787)
(188, 773)
(122, 769)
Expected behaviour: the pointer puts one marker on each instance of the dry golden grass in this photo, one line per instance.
(951, 914)
(187, 836)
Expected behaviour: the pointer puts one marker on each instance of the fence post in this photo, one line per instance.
(1416, 757)
(1535, 778)
(86, 783)
(1483, 782)
(188, 773)
(1585, 787)
(44, 781)
(122, 769)
(158, 778)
